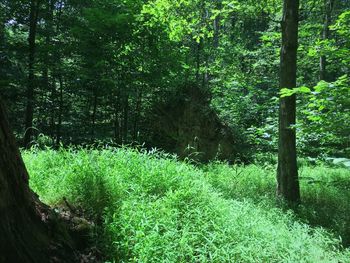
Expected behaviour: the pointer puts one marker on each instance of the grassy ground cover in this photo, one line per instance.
(153, 208)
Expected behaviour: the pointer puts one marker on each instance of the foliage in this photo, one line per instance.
(103, 67)
(156, 208)
(325, 117)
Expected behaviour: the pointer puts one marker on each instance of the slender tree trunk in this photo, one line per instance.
(93, 117)
(137, 113)
(49, 87)
(329, 4)
(198, 61)
(117, 117)
(52, 110)
(116, 123)
(33, 19)
(125, 119)
(60, 113)
(287, 171)
(205, 77)
(57, 69)
(46, 58)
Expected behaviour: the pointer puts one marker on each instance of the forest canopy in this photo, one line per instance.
(106, 71)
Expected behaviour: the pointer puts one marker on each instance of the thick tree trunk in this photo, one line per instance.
(287, 171)
(28, 229)
(329, 4)
(33, 19)
(24, 236)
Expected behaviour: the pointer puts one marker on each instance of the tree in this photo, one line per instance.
(102, 67)
(23, 234)
(287, 171)
(33, 20)
(28, 229)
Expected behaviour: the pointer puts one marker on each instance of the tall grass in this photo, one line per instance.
(325, 191)
(153, 208)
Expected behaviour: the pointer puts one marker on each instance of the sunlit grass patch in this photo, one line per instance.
(157, 209)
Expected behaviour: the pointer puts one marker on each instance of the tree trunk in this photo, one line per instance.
(117, 117)
(126, 118)
(2, 47)
(24, 236)
(137, 113)
(49, 86)
(287, 171)
(198, 60)
(93, 117)
(60, 113)
(329, 4)
(52, 110)
(33, 19)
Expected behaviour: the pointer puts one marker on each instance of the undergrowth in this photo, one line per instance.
(325, 191)
(153, 208)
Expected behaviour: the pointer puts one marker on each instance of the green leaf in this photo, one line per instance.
(304, 89)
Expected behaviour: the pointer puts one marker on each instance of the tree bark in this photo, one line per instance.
(24, 237)
(30, 232)
(33, 19)
(287, 171)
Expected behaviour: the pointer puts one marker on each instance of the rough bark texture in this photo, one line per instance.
(23, 235)
(28, 229)
(287, 171)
